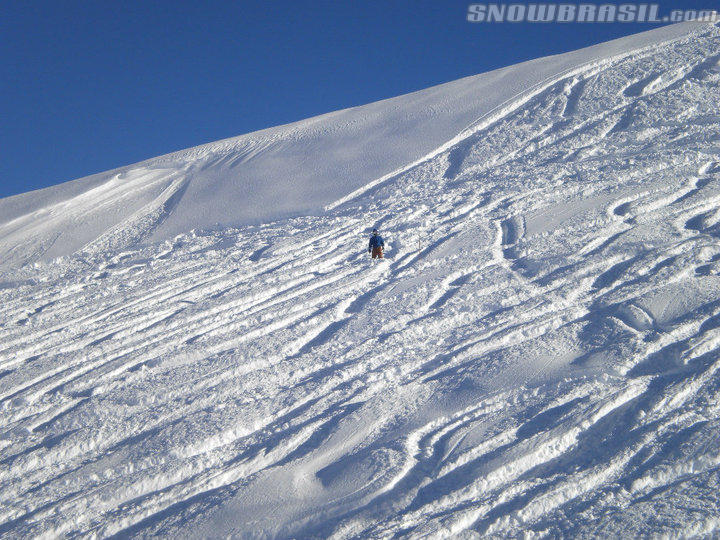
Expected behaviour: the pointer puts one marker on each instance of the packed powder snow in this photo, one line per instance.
(538, 354)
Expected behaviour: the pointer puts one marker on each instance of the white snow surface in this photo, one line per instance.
(198, 345)
(276, 173)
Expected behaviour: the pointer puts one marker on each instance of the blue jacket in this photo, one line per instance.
(376, 241)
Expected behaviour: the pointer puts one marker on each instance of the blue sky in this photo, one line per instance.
(92, 85)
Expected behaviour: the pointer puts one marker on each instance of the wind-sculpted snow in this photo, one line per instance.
(538, 355)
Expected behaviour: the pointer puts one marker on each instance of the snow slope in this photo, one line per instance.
(214, 354)
(275, 173)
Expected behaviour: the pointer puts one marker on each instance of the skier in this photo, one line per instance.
(376, 245)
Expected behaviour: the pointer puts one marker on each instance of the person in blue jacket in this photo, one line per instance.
(376, 245)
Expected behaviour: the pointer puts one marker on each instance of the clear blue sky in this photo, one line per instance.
(91, 85)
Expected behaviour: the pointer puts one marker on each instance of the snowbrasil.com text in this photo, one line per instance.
(584, 13)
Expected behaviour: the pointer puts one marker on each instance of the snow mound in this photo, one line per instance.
(539, 354)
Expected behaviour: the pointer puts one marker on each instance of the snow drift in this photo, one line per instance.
(212, 354)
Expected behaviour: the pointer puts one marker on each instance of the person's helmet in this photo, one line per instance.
(375, 231)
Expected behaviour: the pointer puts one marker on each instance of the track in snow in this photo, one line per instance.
(538, 354)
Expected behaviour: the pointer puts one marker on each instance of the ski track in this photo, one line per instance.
(523, 362)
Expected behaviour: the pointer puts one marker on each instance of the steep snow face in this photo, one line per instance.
(538, 355)
(279, 172)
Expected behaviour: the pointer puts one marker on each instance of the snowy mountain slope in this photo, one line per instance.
(275, 173)
(538, 355)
